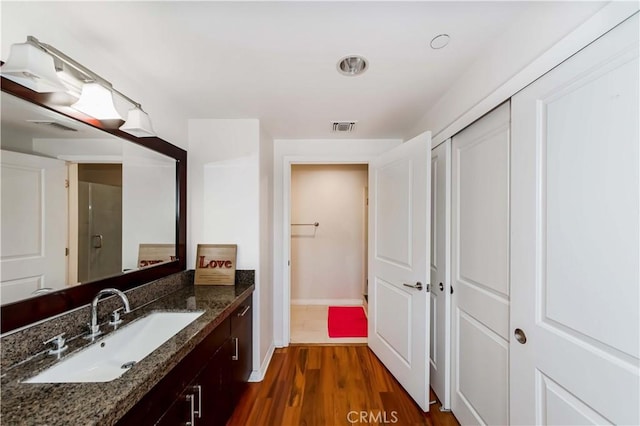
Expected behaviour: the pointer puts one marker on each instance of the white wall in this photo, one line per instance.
(148, 208)
(230, 195)
(16, 141)
(291, 151)
(532, 46)
(327, 262)
(263, 319)
(223, 189)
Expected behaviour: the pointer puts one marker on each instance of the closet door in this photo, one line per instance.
(575, 239)
(440, 349)
(480, 271)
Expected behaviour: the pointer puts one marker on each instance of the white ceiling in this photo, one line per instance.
(276, 61)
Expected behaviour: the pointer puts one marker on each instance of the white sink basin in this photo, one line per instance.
(109, 358)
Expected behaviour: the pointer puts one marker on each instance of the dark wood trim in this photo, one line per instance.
(19, 314)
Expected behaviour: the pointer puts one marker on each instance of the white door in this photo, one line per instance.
(398, 251)
(34, 225)
(575, 239)
(440, 350)
(480, 271)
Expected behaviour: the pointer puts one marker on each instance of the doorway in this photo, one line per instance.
(328, 241)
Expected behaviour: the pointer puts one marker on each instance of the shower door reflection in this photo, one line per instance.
(100, 227)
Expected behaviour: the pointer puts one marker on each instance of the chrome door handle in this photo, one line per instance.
(417, 286)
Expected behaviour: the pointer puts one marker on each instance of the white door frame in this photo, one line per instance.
(289, 161)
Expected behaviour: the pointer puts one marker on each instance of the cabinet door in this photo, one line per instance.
(180, 412)
(215, 403)
(241, 341)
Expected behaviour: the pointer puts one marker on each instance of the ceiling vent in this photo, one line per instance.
(344, 126)
(53, 124)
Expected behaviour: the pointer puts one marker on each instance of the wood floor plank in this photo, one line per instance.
(330, 386)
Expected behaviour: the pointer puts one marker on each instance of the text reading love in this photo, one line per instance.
(227, 264)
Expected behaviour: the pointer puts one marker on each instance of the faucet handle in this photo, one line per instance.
(58, 343)
(94, 331)
(114, 318)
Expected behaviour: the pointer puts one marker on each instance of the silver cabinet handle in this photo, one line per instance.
(244, 311)
(97, 240)
(198, 388)
(235, 356)
(417, 286)
(190, 398)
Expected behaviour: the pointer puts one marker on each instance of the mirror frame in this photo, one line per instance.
(22, 313)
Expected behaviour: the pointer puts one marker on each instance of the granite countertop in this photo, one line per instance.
(105, 403)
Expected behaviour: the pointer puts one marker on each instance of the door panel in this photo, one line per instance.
(34, 225)
(482, 183)
(561, 407)
(483, 377)
(393, 212)
(575, 243)
(393, 313)
(399, 184)
(440, 352)
(480, 270)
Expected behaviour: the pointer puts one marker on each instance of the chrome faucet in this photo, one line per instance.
(94, 328)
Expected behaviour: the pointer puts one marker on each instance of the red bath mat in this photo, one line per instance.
(347, 321)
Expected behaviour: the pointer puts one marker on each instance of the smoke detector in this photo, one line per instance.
(344, 126)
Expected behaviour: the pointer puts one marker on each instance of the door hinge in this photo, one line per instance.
(66, 183)
(66, 251)
(428, 288)
(451, 289)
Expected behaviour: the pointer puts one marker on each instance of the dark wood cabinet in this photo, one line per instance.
(205, 386)
(241, 338)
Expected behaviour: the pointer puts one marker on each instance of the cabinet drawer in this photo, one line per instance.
(242, 313)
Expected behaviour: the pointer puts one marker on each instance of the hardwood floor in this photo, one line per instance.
(330, 386)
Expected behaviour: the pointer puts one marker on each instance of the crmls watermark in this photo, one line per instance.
(380, 417)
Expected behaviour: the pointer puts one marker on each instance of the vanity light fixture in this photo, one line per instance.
(352, 65)
(138, 123)
(31, 67)
(97, 101)
(34, 65)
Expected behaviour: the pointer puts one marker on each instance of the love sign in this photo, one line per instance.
(216, 264)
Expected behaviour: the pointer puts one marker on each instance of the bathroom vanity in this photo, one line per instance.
(196, 376)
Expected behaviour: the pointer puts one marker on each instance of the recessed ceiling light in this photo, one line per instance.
(440, 41)
(352, 65)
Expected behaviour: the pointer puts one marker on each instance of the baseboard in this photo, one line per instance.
(328, 302)
(258, 376)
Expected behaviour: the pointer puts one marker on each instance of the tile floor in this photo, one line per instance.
(309, 325)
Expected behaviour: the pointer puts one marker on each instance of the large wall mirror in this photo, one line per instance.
(84, 207)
